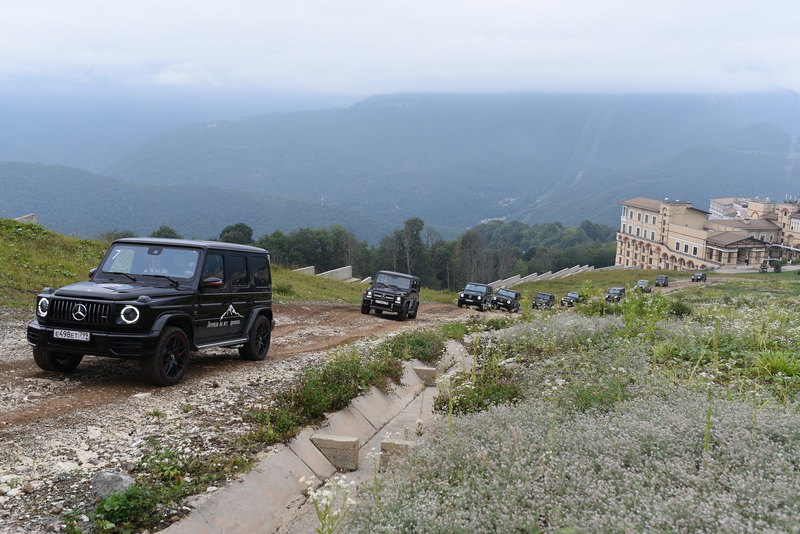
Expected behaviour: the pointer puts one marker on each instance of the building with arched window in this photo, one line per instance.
(674, 235)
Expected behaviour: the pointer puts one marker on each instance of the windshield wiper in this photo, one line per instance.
(124, 274)
(167, 277)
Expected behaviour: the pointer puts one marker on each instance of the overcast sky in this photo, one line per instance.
(376, 46)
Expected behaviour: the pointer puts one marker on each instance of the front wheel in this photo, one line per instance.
(258, 341)
(403, 313)
(62, 362)
(167, 365)
(365, 309)
(413, 314)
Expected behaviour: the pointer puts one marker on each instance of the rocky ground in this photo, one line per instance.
(57, 431)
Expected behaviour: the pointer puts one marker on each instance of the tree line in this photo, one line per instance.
(483, 253)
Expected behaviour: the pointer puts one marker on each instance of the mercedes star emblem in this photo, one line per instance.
(79, 312)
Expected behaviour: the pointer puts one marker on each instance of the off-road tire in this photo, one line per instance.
(61, 362)
(403, 313)
(413, 314)
(365, 309)
(169, 362)
(258, 340)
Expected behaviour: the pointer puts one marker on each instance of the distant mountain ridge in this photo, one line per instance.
(80, 203)
(456, 159)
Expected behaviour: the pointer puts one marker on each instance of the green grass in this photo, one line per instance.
(33, 258)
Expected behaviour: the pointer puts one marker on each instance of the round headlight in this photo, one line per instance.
(462, 295)
(42, 307)
(369, 294)
(479, 297)
(398, 299)
(129, 314)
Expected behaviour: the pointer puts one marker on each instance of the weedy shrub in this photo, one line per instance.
(424, 345)
(456, 331)
(641, 468)
(598, 306)
(283, 288)
(124, 512)
(772, 363)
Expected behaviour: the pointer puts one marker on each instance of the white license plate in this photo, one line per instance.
(71, 334)
(382, 302)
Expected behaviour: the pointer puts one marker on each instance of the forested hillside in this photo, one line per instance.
(76, 202)
(456, 159)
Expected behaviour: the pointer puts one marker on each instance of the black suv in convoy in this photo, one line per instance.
(615, 294)
(393, 292)
(156, 300)
(478, 295)
(643, 286)
(699, 277)
(571, 299)
(506, 299)
(662, 280)
(544, 300)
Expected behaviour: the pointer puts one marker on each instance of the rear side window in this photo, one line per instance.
(214, 267)
(260, 269)
(239, 275)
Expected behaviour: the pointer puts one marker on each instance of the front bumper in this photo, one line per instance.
(468, 300)
(384, 305)
(129, 345)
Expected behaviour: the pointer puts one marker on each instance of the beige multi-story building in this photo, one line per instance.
(670, 234)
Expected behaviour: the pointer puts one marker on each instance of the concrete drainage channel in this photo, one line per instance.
(270, 498)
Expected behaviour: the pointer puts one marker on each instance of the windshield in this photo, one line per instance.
(134, 260)
(614, 290)
(643, 282)
(573, 294)
(475, 287)
(386, 280)
(543, 295)
(506, 293)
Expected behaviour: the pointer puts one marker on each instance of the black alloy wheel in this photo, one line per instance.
(167, 365)
(259, 341)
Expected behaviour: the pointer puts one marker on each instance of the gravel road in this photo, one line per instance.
(57, 431)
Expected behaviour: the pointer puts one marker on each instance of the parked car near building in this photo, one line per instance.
(474, 294)
(544, 300)
(615, 294)
(393, 292)
(662, 280)
(571, 298)
(157, 300)
(506, 299)
(643, 286)
(699, 277)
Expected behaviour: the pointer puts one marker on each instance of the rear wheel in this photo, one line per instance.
(167, 365)
(62, 362)
(258, 341)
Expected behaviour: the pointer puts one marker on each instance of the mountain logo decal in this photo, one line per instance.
(230, 312)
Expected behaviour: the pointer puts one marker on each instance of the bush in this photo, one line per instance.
(424, 345)
(122, 511)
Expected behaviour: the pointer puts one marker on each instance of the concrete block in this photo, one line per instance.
(391, 449)
(377, 407)
(341, 274)
(305, 450)
(341, 451)
(410, 385)
(255, 503)
(428, 375)
(307, 270)
(349, 422)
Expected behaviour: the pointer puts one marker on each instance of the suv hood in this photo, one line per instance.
(117, 291)
(474, 293)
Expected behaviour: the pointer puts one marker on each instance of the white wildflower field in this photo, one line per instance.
(678, 414)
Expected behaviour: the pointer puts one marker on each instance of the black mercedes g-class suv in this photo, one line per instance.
(662, 280)
(156, 300)
(571, 299)
(393, 292)
(543, 300)
(506, 299)
(478, 295)
(615, 294)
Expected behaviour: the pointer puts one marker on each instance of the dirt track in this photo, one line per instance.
(57, 430)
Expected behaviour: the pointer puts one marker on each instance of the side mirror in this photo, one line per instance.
(213, 282)
(91, 272)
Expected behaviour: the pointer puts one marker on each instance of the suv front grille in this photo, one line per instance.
(62, 311)
(382, 296)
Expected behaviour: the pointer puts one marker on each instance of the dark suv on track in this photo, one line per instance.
(478, 295)
(156, 300)
(392, 292)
